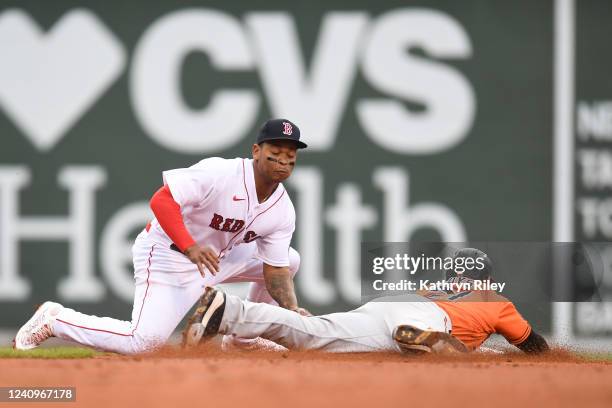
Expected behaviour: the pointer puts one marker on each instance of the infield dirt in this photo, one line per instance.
(206, 377)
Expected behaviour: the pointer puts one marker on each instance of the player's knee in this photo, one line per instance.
(294, 261)
(143, 344)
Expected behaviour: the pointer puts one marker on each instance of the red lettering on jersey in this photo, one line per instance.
(216, 221)
(237, 226)
(250, 236)
(227, 224)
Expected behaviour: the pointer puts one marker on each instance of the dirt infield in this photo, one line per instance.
(210, 378)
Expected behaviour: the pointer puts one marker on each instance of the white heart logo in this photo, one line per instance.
(48, 80)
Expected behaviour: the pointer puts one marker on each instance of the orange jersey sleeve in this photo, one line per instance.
(512, 325)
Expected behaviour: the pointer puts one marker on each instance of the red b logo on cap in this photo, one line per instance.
(288, 129)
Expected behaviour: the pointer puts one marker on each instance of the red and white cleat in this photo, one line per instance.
(38, 328)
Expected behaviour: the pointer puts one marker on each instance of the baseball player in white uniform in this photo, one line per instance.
(217, 221)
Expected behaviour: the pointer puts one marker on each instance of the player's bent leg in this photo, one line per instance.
(338, 332)
(158, 308)
(102, 333)
(205, 323)
(161, 300)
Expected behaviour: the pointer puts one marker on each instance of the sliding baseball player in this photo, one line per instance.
(429, 322)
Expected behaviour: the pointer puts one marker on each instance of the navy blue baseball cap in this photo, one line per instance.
(280, 129)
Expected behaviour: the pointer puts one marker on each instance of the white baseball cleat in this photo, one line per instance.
(232, 343)
(38, 328)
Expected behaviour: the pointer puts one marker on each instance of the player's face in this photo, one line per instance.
(275, 160)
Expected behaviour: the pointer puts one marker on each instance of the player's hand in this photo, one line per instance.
(302, 311)
(203, 256)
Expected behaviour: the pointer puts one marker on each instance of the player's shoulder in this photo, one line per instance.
(497, 297)
(281, 211)
(498, 305)
(487, 296)
(220, 164)
(286, 202)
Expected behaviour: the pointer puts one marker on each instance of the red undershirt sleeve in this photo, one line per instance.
(168, 214)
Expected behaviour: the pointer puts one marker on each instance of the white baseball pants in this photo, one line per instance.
(167, 285)
(366, 329)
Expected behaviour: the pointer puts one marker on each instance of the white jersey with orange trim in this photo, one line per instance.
(220, 209)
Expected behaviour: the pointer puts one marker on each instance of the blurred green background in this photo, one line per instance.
(427, 120)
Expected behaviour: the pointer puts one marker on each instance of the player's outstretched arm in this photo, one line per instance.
(534, 344)
(279, 283)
